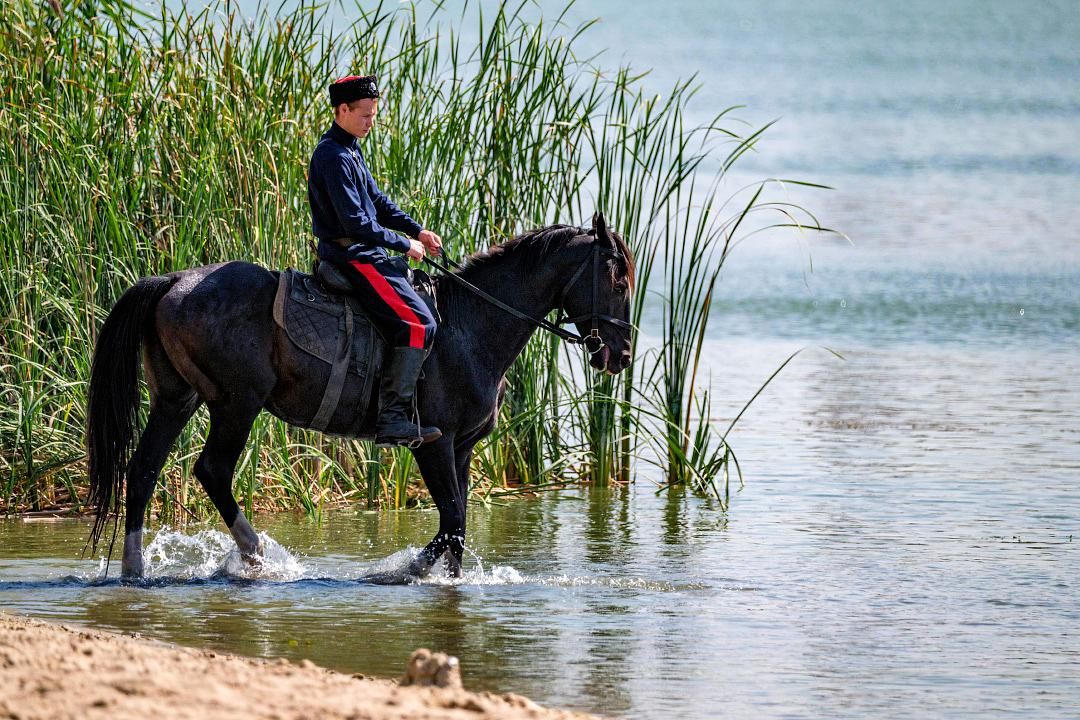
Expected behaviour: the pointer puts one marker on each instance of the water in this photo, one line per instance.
(851, 586)
(904, 544)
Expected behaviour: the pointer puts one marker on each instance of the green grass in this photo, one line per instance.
(134, 143)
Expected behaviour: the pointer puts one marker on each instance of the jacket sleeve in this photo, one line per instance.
(354, 219)
(391, 215)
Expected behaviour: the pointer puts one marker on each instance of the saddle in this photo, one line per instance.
(321, 317)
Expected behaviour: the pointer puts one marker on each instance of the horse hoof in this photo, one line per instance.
(418, 570)
(452, 566)
(129, 572)
(253, 559)
(131, 567)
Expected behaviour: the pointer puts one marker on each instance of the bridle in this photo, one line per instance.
(593, 316)
(591, 342)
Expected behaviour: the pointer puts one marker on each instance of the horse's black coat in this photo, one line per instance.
(208, 336)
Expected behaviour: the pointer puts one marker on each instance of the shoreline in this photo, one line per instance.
(49, 670)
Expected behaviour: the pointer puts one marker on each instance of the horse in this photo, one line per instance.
(206, 335)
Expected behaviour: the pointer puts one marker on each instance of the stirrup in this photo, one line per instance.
(412, 441)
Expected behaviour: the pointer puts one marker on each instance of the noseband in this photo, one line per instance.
(591, 342)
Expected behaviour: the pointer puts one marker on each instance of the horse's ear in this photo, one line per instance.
(600, 230)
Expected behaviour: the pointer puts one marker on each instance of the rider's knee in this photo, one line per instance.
(430, 327)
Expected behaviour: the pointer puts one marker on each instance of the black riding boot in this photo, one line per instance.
(396, 424)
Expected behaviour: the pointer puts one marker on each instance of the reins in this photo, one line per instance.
(592, 342)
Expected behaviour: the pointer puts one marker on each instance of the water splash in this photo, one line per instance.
(396, 569)
(210, 555)
(498, 575)
(213, 554)
(507, 575)
(393, 569)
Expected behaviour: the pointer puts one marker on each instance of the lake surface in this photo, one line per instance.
(904, 543)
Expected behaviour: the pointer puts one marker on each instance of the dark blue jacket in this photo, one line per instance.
(346, 202)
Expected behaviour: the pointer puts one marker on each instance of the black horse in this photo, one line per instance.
(207, 336)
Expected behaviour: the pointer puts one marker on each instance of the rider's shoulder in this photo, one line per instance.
(329, 151)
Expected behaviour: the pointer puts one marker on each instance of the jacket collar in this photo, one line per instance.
(341, 135)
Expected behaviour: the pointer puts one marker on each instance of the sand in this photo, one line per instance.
(56, 671)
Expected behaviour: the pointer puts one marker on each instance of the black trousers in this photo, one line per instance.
(395, 308)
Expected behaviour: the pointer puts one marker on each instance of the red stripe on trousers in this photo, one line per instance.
(391, 298)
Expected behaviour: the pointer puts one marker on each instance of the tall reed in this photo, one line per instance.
(135, 142)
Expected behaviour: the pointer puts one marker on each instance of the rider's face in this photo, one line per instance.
(358, 118)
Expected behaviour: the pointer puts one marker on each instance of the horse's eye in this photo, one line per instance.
(620, 286)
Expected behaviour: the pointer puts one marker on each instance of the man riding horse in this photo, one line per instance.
(210, 335)
(354, 220)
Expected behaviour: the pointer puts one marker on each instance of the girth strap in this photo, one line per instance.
(338, 370)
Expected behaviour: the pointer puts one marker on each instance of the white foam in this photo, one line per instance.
(211, 553)
(392, 566)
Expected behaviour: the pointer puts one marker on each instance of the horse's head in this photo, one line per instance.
(597, 298)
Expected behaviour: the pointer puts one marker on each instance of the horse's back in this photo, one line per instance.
(227, 282)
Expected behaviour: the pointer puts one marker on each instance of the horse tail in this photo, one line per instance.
(113, 403)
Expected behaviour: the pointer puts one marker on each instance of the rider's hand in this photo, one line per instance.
(416, 250)
(431, 241)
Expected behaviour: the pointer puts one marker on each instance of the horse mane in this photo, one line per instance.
(528, 251)
(535, 246)
(532, 247)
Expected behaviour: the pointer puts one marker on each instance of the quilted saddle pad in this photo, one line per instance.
(314, 320)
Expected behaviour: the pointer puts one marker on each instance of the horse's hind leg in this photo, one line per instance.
(164, 425)
(172, 403)
(229, 429)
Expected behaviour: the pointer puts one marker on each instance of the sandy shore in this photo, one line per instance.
(55, 671)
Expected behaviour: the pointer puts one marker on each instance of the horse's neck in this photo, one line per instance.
(496, 335)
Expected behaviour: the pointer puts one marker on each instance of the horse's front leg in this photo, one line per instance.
(438, 466)
(450, 546)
